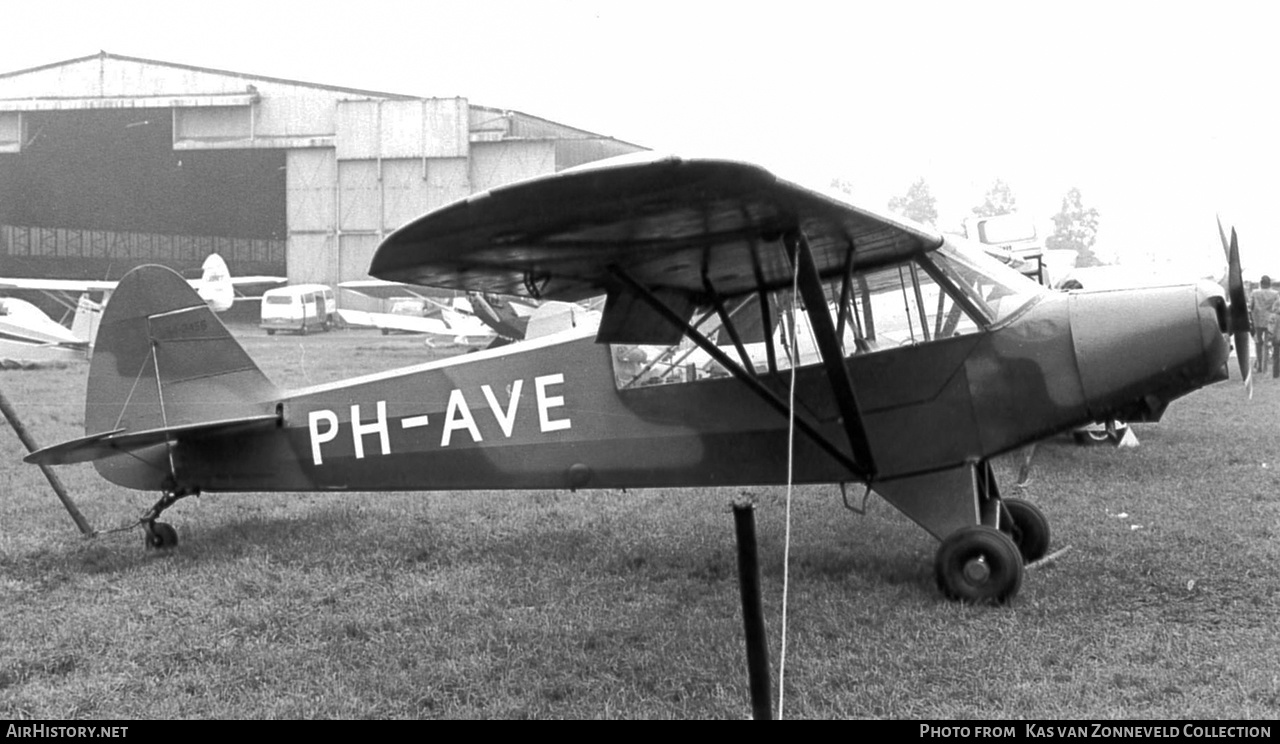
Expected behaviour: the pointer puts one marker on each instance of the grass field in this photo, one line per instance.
(625, 604)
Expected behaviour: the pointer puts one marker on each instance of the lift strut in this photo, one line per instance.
(741, 374)
(824, 332)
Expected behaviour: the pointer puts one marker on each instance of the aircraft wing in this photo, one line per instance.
(68, 287)
(252, 287)
(385, 290)
(58, 285)
(379, 289)
(667, 222)
(272, 281)
(467, 334)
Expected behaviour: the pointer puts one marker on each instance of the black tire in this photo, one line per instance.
(271, 331)
(1089, 436)
(978, 565)
(162, 536)
(1029, 529)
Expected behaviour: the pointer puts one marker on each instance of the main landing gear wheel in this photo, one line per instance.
(1029, 529)
(979, 565)
(161, 536)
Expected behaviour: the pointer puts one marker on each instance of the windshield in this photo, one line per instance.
(996, 290)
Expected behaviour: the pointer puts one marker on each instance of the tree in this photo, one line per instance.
(999, 200)
(918, 204)
(1076, 229)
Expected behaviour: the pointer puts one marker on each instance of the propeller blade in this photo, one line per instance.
(1242, 356)
(1238, 307)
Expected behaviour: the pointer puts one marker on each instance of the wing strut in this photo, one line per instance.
(742, 375)
(726, 322)
(824, 332)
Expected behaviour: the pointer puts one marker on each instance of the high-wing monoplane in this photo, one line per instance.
(488, 320)
(29, 337)
(216, 286)
(914, 361)
(446, 318)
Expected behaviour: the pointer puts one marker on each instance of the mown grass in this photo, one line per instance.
(625, 604)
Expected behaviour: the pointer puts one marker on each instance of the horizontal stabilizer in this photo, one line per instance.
(107, 443)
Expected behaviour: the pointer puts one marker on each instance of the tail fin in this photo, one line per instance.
(163, 360)
(85, 325)
(215, 285)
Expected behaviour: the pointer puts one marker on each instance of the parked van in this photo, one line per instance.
(298, 308)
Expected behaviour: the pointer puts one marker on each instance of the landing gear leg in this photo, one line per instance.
(162, 535)
(979, 561)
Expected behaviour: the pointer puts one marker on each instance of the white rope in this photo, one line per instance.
(791, 453)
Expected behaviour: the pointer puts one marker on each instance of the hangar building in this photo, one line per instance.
(107, 162)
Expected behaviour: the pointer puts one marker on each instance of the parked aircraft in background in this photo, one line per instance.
(926, 359)
(29, 337)
(472, 320)
(1120, 276)
(448, 321)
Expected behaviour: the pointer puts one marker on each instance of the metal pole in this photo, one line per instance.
(30, 443)
(752, 612)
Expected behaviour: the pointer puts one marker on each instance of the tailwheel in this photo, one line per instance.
(1027, 527)
(160, 535)
(979, 565)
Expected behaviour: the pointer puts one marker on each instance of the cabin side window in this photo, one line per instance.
(872, 311)
(904, 305)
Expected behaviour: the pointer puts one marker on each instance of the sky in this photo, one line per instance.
(1163, 114)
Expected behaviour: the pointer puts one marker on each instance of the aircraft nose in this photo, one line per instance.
(1139, 349)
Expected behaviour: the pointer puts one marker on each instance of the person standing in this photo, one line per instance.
(1264, 309)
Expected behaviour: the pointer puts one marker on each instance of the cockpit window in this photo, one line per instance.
(946, 293)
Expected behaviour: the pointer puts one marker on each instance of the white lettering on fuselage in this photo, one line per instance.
(379, 427)
(323, 424)
(546, 402)
(318, 438)
(458, 416)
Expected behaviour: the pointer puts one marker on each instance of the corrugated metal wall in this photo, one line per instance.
(358, 164)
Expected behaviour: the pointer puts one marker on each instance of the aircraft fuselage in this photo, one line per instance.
(547, 413)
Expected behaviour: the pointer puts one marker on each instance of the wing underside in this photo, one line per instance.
(676, 226)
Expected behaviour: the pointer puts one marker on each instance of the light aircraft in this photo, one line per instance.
(451, 321)
(474, 319)
(216, 286)
(29, 337)
(929, 360)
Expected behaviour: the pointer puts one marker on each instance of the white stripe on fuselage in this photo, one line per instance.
(563, 337)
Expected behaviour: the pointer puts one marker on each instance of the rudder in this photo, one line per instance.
(162, 359)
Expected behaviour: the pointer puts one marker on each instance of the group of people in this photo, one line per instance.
(1264, 309)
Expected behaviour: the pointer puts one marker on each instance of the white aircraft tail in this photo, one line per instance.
(85, 325)
(215, 286)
